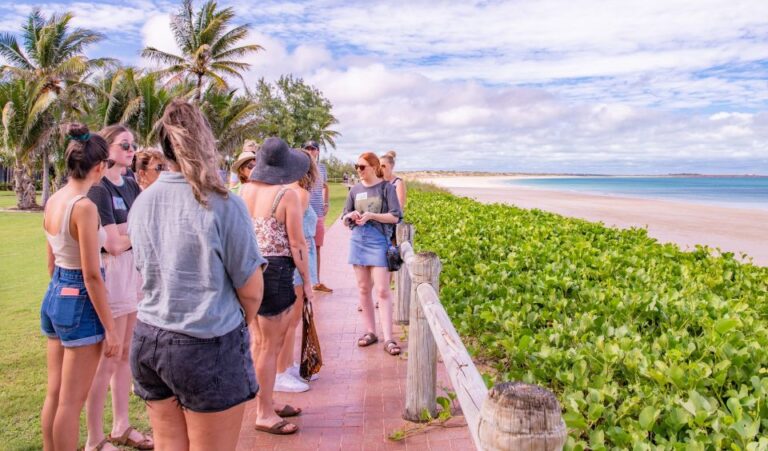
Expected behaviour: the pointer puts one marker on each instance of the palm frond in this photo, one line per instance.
(9, 49)
(160, 56)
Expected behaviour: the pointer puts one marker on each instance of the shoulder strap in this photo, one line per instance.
(68, 213)
(277, 201)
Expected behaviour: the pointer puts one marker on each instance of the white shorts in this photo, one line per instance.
(123, 283)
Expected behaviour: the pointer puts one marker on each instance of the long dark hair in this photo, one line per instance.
(84, 151)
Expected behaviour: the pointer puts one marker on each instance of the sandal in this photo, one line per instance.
(101, 444)
(277, 428)
(367, 340)
(359, 308)
(125, 440)
(391, 348)
(288, 411)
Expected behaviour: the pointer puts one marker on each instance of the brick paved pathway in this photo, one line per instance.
(359, 399)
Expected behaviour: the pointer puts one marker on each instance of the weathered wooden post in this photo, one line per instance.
(404, 233)
(420, 388)
(522, 417)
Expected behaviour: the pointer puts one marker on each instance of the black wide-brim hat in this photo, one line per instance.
(278, 164)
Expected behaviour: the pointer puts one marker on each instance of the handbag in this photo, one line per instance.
(394, 261)
(311, 357)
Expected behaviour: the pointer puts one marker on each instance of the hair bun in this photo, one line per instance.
(391, 154)
(78, 132)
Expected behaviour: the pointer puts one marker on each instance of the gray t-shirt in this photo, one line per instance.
(191, 258)
(379, 198)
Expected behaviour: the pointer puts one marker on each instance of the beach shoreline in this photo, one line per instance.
(687, 224)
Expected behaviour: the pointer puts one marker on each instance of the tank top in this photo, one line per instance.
(66, 250)
(271, 234)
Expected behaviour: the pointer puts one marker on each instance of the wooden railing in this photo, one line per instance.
(512, 415)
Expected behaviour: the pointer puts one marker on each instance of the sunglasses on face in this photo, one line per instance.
(311, 148)
(360, 167)
(128, 147)
(383, 166)
(159, 167)
(110, 163)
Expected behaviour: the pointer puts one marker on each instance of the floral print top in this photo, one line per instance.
(271, 234)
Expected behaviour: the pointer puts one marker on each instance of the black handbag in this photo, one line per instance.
(394, 261)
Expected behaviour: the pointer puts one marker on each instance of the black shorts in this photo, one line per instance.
(204, 374)
(278, 286)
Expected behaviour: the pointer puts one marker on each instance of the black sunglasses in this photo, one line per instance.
(360, 167)
(127, 146)
(160, 167)
(311, 148)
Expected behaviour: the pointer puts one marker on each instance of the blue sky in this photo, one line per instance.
(532, 86)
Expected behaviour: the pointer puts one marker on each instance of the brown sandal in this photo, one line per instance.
(367, 340)
(277, 428)
(125, 440)
(101, 444)
(391, 348)
(288, 411)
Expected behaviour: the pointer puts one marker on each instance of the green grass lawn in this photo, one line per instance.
(23, 281)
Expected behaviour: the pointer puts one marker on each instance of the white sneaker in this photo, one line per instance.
(285, 382)
(294, 371)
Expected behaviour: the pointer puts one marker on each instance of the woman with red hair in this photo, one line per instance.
(371, 211)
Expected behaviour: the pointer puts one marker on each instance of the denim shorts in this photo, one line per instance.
(278, 286)
(203, 374)
(67, 312)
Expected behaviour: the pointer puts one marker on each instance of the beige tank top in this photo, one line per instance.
(66, 250)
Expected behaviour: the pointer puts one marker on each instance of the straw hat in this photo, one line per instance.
(278, 164)
(244, 158)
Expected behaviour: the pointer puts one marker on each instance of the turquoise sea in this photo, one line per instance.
(741, 192)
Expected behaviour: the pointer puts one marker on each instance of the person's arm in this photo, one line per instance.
(86, 221)
(401, 194)
(391, 216)
(326, 203)
(349, 216)
(51, 258)
(299, 250)
(250, 295)
(116, 242)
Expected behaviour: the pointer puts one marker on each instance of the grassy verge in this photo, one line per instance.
(337, 195)
(22, 347)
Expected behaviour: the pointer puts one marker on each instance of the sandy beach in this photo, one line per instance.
(686, 224)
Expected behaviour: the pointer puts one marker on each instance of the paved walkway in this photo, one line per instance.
(360, 396)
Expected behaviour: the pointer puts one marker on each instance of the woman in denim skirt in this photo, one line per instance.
(75, 315)
(202, 285)
(371, 211)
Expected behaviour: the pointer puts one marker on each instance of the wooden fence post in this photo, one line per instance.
(522, 417)
(420, 388)
(404, 233)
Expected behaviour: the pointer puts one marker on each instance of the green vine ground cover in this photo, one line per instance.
(646, 346)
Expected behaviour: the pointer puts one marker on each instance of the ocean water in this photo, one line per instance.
(740, 192)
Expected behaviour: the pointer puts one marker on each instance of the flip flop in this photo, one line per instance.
(391, 348)
(288, 411)
(277, 428)
(367, 340)
(125, 440)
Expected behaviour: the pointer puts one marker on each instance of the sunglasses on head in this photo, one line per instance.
(360, 167)
(127, 146)
(110, 163)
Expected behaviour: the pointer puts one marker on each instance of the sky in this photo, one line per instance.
(544, 86)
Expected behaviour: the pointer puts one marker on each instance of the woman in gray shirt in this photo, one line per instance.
(202, 273)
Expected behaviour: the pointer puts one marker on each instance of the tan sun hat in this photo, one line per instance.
(244, 158)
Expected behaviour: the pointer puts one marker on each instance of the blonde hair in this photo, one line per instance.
(373, 161)
(187, 140)
(144, 156)
(390, 157)
(110, 132)
(308, 180)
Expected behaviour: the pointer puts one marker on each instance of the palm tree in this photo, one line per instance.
(52, 56)
(209, 49)
(24, 129)
(232, 119)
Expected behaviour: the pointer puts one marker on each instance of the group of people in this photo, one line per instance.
(164, 278)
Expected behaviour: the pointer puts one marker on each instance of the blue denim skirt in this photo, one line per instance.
(368, 246)
(67, 312)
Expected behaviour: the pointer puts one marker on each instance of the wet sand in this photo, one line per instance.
(735, 230)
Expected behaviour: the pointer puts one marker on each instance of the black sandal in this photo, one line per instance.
(367, 340)
(391, 348)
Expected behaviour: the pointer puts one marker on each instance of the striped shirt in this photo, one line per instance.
(316, 195)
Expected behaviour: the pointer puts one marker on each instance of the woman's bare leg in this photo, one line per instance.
(218, 430)
(77, 370)
(169, 427)
(285, 359)
(55, 359)
(364, 287)
(272, 333)
(383, 295)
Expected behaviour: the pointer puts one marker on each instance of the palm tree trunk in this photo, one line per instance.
(199, 89)
(24, 187)
(46, 176)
